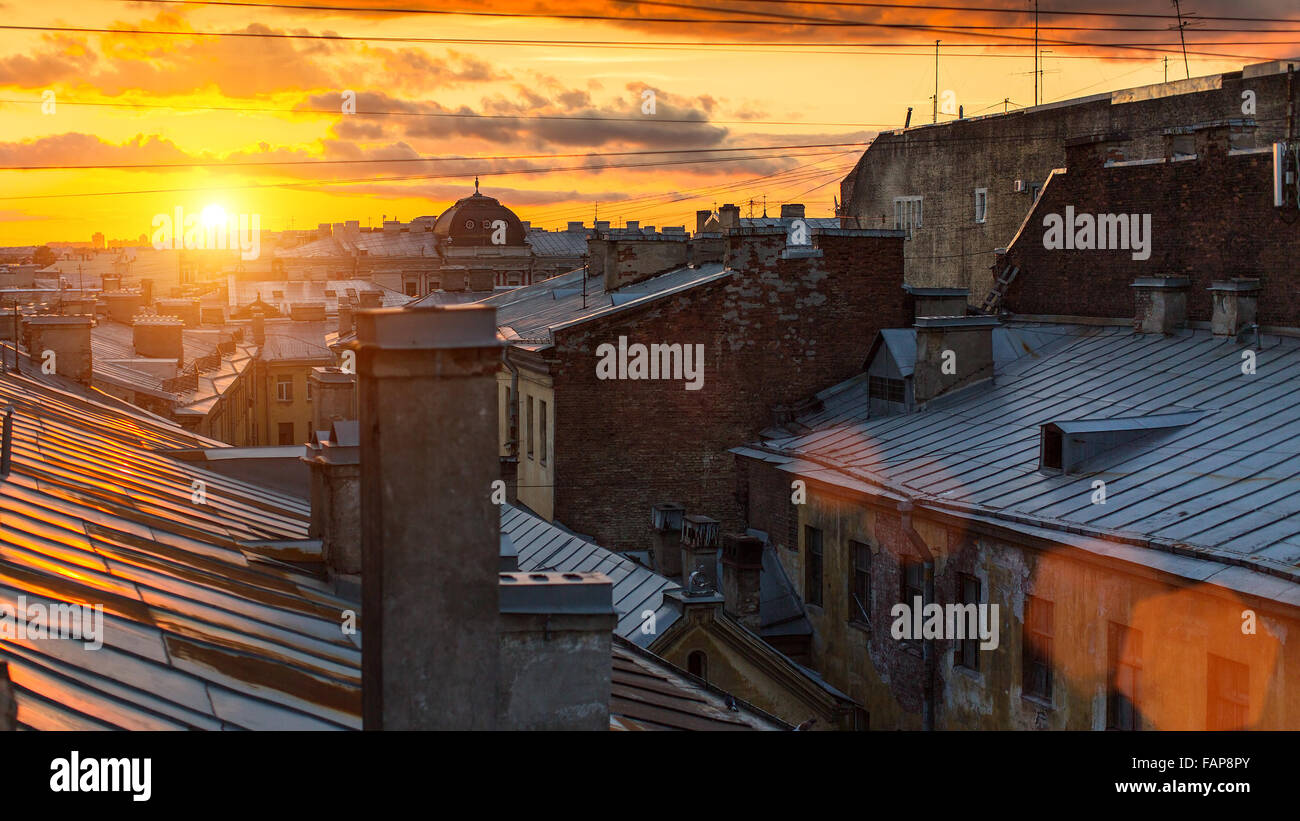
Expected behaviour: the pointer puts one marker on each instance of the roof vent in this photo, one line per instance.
(1067, 445)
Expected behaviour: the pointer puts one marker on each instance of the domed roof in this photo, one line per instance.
(470, 222)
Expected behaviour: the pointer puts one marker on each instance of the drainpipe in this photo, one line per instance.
(512, 411)
(923, 552)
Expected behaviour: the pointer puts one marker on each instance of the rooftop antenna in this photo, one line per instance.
(936, 81)
(1035, 52)
(1182, 25)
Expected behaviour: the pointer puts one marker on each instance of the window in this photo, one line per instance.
(1051, 455)
(309, 390)
(966, 651)
(1037, 656)
(284, 388)
(860, 584)
(286, 433)
(1228, 696)
(886, 389)
(541, 431)
(1125, 651)
(907, 214)
(913, 581)
(812, 570)
(528, 423)
(981, 204)
(697, 664)
(412, 288)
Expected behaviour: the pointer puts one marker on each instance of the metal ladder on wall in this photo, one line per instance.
(994, 299)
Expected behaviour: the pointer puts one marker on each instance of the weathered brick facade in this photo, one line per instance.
(776, 331)
(952, 248)
(1212, 218)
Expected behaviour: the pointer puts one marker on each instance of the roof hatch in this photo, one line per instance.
(1066, 444)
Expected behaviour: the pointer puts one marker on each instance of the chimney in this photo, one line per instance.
(123, 305)
(345, 317)
(702, 218)
(742, 566)
(937, 301)
(1161, 304)
(951, 352)
(186, 309)
(430, 535)
(574, 226)
(111, 282)
(146, 291)
(1236, 304)
(555, 645)
(159, 337)
(700, 550)
(666, 520)
(729, 217)
(8, 704)
(333, 395)
(632, 225)
(259, 328)
(370, 299)
(792, 210)
(334, 460)
(68, 338)
(631, 259)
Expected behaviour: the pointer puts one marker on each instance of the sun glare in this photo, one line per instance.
(212, 216)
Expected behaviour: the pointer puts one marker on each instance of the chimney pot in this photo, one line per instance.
(1236, 305)
(1161, 304)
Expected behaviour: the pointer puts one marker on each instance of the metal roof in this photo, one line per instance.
(544, 546)
(529, 314)
(1226, 484)
(199, 630)
(203, 627)
(557, 243)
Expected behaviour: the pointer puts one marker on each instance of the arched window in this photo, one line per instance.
(697, 664)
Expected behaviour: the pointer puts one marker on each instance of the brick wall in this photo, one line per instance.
(1212, 218)
(951, 248)
(775, 332)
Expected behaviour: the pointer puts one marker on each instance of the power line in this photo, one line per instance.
(260, 163)
(410, 177)
(1004, 10)
(335, 112)
(1152, 46)
(774, 18)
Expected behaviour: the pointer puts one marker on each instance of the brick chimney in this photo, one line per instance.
(742, 567)
(123, 305)
(700, 549)
(146, 291)
(68, 337)
(1236, 305)
(159, 337)
(951, 352)
(334, 396)
(629, 258)
(555, 644)
(259, 328)
(430, 535)
(701, 218)
(1160, 304)
(792, 210)
(937, 301)
(729, 217)
(334, 461)
(666, 522)
(345, 317)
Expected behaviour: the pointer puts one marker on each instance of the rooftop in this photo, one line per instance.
(1216, 495)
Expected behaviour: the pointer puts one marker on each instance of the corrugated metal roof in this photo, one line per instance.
(557, 243)
(1229, 481)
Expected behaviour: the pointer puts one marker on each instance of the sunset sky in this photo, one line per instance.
(202, 104)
